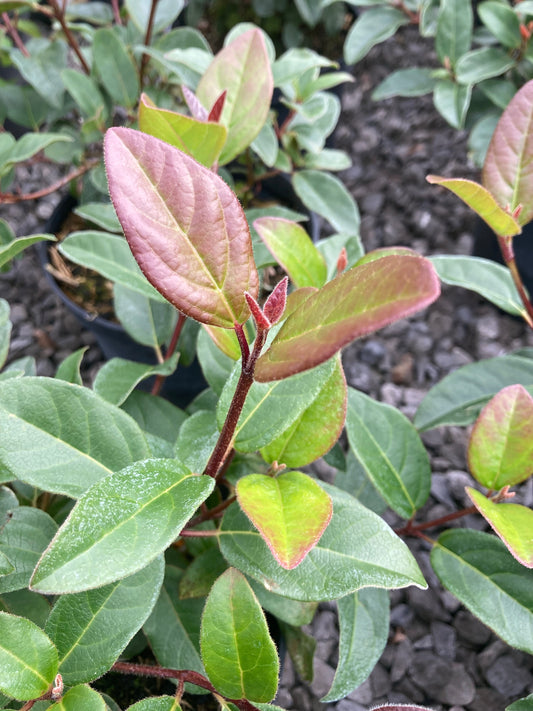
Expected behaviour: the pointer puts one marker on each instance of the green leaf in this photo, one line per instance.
(109, 255)
(41, 70)
(481, 64)
(357, 550)
(414, 81)
(508, 168)
(512, 522)
(525, 704)
(6, 566)
(327, 196)
(301, 648)
(147, 321)
(295, 62)
(271, 408)
(452, 101)
(240, 657)
(491, 280)
(90, 629)
(118, 377)
(201, 573)
(454, 30)
(266, 145)
(101, 214)
(278, 507)
(202, 140)
(62, 437)
(155, 416)
(85, 92)
(23, 538)
(80, 698)
(8, 251)
(502, 21)
(293, 250)
(173, 628)
(28, 659)
(5, 331)
(355, 303)
(25, 603)
(371, 28)
(459, 397)
(156, 703)
(249, 90)
(478, 569)
(328, 159)
(115, 68)
(196, 440)
(481, 201)
(146, 505)
(316, 429)
(293, 612)
(500, 451)
(363, 628)
(216, 365)
(165, 14)
(69, 368)
(390, 451)
(197, 252)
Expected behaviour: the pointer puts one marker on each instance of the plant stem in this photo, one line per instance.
(184, 675)
(506, 246)
(246, 379)
(147, 39)
(116, 12)
(160, 379)
(10, 198)
(59, 14)
(210, 514)
(413, 529)
(13, 32)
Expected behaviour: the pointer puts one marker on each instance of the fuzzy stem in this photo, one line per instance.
(160, 379)
(506, 246)
(10, 198)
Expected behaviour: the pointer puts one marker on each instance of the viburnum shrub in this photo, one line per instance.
(120, 512)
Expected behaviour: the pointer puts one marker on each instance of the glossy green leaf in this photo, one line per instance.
(357, 550)
(390, 451)
(85, 92)
(115, 67)
(156, 703)
(201, 140)
(90, 629)
(25, 603)
(201, 573)
(414, 81)
(23, 538)
(198, 253)
(146, 505)
(28, 658)
(481, 64)
(147, 321)
(62, 437)
(316, 429)
(293, 250)
(525, 704)
(173, 628)
(491, 280)
(5, 331)
(500, 451)
(69, 369)
(481, 201)
(271, 408)
(454, 30)
(291, 511)
(109, 255)
(508, 169)
(80, 698)
(371, 28)
(249, 90)
(327, 196)
(363, 631)
(479, 570)
(459, 397)
(452, 101)
(512, 522)
(10, 250)
(502, 21)
(355, 303)
(240, 658)
(118, 377)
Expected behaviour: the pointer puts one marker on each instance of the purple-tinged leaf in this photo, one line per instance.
(512, 522)
(384, 252)
(355, 303)
(198, 111)
(508, 168)
(276, 302)
(242, 69)
(290, 511)
(401, 707)
(261, 321)
(500, 451)
(481, 201)
(184, 225)
(218, 107)
(199, 139)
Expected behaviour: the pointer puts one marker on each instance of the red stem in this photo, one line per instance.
(411, 529)
(116, 12)
(182, 674)
(59, 14)
(13, 32)
(147, 40)
(9, 198)
(160, 379)
(506, 246)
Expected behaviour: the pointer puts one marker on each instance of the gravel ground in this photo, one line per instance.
(438, 654)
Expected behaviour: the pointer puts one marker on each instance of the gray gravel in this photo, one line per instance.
(438, 653)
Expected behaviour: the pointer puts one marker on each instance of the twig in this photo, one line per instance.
(147, 39)
(10, 198)
(59, 14)
(13, 32)
(506, 246)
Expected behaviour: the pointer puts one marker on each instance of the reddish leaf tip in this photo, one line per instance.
(276, 302)
(260, 319)
(217, 108)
